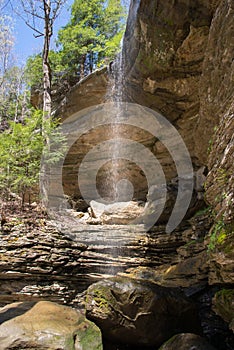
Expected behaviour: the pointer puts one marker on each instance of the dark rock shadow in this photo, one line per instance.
(14, 311)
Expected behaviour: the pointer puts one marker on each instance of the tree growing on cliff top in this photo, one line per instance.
(92, 35)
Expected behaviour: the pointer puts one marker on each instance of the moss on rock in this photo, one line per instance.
(223, 305)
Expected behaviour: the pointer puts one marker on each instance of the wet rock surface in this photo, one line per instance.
(138, 313)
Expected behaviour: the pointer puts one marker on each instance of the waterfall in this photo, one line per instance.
(121, 190)
(115, 94)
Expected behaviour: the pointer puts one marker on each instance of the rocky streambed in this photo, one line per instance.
(139, 288)
(46, 263)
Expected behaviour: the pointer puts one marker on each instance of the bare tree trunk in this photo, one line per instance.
(82, 67)
(90, 62)
(47, 101)
(45, 11)
(46, 65)
(24, 107)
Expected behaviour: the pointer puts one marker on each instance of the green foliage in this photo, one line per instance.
(55, 149)
(100, 300)
(12, 97)
(225, 293)
(90, 39)
(223, 302)
(92, 36)
(222, 176)
(210, 145)
(204, 211)
(34, 71)
(220, 232)
(21, 148)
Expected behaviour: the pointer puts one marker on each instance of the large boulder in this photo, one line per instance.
(187, 342)
(120, 213)
(137, 313)
(46, 325)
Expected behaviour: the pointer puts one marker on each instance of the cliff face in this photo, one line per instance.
(217, 111)
(164, 58)
(179, 61)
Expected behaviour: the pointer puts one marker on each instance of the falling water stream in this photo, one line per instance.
(119, 187)
(121, 190)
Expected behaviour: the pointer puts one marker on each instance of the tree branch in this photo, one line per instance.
(33, 28)
(4, 6)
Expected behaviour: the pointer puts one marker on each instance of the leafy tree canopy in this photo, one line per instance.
(92, 35)
(90, 39)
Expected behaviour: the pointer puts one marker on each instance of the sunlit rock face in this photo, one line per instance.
(46, 325)
(87, 92)
(164, 49)
(177, 61)
(164, 54)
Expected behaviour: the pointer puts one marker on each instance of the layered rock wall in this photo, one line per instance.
(217, 112)
(178, 61)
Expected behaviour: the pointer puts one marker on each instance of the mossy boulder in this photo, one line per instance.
(186, 341)
(132, 312)
(46, 325)
(223, 305)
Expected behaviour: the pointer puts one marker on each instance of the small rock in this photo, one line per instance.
(187, 341)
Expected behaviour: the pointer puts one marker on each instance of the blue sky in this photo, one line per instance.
(25, 43)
